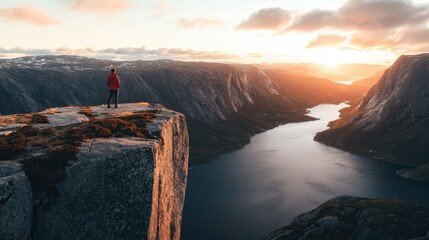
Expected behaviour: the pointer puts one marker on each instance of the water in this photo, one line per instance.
(282, 173)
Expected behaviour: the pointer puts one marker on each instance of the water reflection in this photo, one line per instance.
(280, 174)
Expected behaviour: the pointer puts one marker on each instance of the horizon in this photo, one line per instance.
(333, 32)
(339, 73)
(195, 60)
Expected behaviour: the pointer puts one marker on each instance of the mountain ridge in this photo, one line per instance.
(225, 104)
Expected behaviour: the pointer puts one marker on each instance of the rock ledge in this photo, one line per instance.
(93, 173)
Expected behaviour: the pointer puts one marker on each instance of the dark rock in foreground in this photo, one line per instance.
(15, 202)
(352, 218)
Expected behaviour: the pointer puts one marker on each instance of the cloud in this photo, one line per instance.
(30, 51)
(160, 8)
(409, 38)
(28, 14)
(266, 19)
(175, 53)
(195, 54)
(255, 55)
(415, 36)
(370, 24)
(128, 53)
(363, 15)
(384, 14)
(382, 39)
(327, 40)
(314, 20)
(104, 7)
(199, 23)
(70, 51)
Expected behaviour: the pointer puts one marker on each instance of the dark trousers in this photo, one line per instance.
(113, 93)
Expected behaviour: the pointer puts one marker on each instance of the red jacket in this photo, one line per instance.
(113, 81)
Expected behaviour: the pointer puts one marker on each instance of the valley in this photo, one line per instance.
(225, 104)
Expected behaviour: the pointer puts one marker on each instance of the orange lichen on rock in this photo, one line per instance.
(87, 112)
(12, 145)
(28, 119)
(46, 152)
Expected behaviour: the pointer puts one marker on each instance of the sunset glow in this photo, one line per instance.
(329, 32)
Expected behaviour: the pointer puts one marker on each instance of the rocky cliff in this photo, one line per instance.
(392, 121)
(225, 104)
(355, 218)
(16, 203)
(93, 173)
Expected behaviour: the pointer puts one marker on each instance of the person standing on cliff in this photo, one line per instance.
(114, 84)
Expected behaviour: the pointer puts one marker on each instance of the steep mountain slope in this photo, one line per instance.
(392, 121)
(224, 104)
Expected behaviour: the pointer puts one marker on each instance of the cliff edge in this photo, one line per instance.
(93, 173)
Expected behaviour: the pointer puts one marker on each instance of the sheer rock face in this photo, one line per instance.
(16, 203)
(352, 218)
(117, 187)
(392, 121)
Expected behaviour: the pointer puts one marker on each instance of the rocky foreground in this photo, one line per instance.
(355, 218)
(93, 173)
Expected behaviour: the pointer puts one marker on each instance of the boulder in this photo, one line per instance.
(356, 218)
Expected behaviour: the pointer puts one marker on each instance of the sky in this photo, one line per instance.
(249, 31)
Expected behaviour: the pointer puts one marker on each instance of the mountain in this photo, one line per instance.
(369, 82)
(225, 104)
(392, 121)
(311, 91)
(347, 217)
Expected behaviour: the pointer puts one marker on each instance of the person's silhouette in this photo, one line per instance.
(114, 84)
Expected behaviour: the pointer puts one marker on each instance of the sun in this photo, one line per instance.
(331, 65)
(332, 58)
